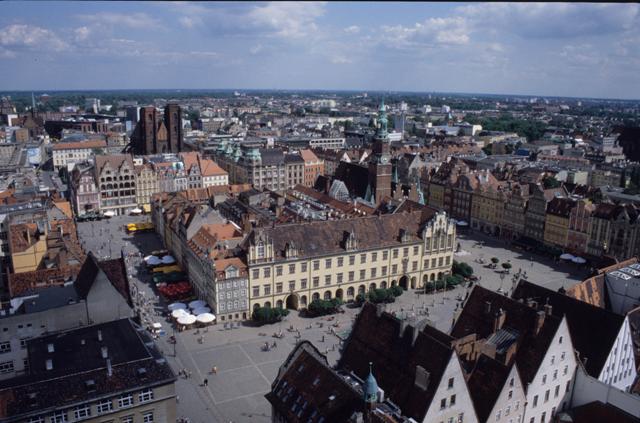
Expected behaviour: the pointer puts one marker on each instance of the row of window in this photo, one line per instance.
(439, 262)
(83, 411)
(547, 394)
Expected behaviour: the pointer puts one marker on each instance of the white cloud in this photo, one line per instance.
(353, 29)
(132, 20)
(204, 54)
(340, 60)
(81, 34)
(20, 36)
(287, 19)
(552, 20)
(256, 49)
(190, 21)
(433, 31)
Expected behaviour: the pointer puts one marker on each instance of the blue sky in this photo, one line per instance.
(563, 49)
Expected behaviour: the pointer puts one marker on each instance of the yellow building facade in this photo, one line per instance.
(292, 265)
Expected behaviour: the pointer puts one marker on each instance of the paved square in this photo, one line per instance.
(245, 371)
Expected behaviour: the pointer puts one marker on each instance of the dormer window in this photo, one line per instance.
(351, 243)
(231, 272)
(290, 250)
(260, 250)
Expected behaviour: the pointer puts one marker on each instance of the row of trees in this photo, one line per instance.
(265, 315)
(323, 307)
(380, 295)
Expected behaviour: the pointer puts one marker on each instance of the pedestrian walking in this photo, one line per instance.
(206, 382)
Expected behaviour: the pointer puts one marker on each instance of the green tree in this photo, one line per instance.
(506, 266)
(266, 315)
(495, 260)
(462, 269)
(550, 182)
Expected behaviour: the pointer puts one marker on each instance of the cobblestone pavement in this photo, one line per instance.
(244, 370)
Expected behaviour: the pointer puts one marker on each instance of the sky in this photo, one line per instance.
(546, 49)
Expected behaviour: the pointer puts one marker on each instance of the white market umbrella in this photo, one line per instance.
(205, 318)
(567, 256)
(578, 260)
(147, 258)
(109, 213)
(136, 211)
(154, 261)
(201, 310)
(168, 260)
(176, 314)
(197, 304)
(187, 319)
(177, 306)
(462, 223)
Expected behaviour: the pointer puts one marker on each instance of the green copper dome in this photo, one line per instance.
(371, 387)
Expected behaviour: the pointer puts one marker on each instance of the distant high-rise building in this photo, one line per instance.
(155, 133)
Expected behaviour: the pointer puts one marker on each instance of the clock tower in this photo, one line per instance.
(379, 163)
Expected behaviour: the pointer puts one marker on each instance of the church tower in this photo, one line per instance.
(379, 164)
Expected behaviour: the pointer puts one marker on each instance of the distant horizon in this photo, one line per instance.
(317, 90)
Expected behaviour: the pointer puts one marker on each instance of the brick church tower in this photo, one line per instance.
(380, 164)
(155, 133)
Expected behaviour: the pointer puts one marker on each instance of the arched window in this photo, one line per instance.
(327, 295)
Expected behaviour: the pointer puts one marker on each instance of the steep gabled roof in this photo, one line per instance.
(486, 381)
(532, 347)
(115, 271)
(309, 390)
(382, 340)
(593, 330)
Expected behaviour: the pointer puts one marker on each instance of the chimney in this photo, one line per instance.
(49, 364)
(498, 320)
(422, 378)
(109, 368)
(539, 322)
(487, 307)
(548, 309)
(100, 335)
(531, 303)
(105, 352)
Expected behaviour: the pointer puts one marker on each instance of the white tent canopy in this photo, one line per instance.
(187, 319)
(168, 260)
(109, 213)
(462, 223)
(136, 211)
(177, 306)
(201, 310)
(567, 256)
(157, 325)
(579, 260)
(177, 313)
(154, 261)
(205, 318)
(197, 304)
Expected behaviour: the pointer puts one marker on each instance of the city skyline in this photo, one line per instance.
(565, 50)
